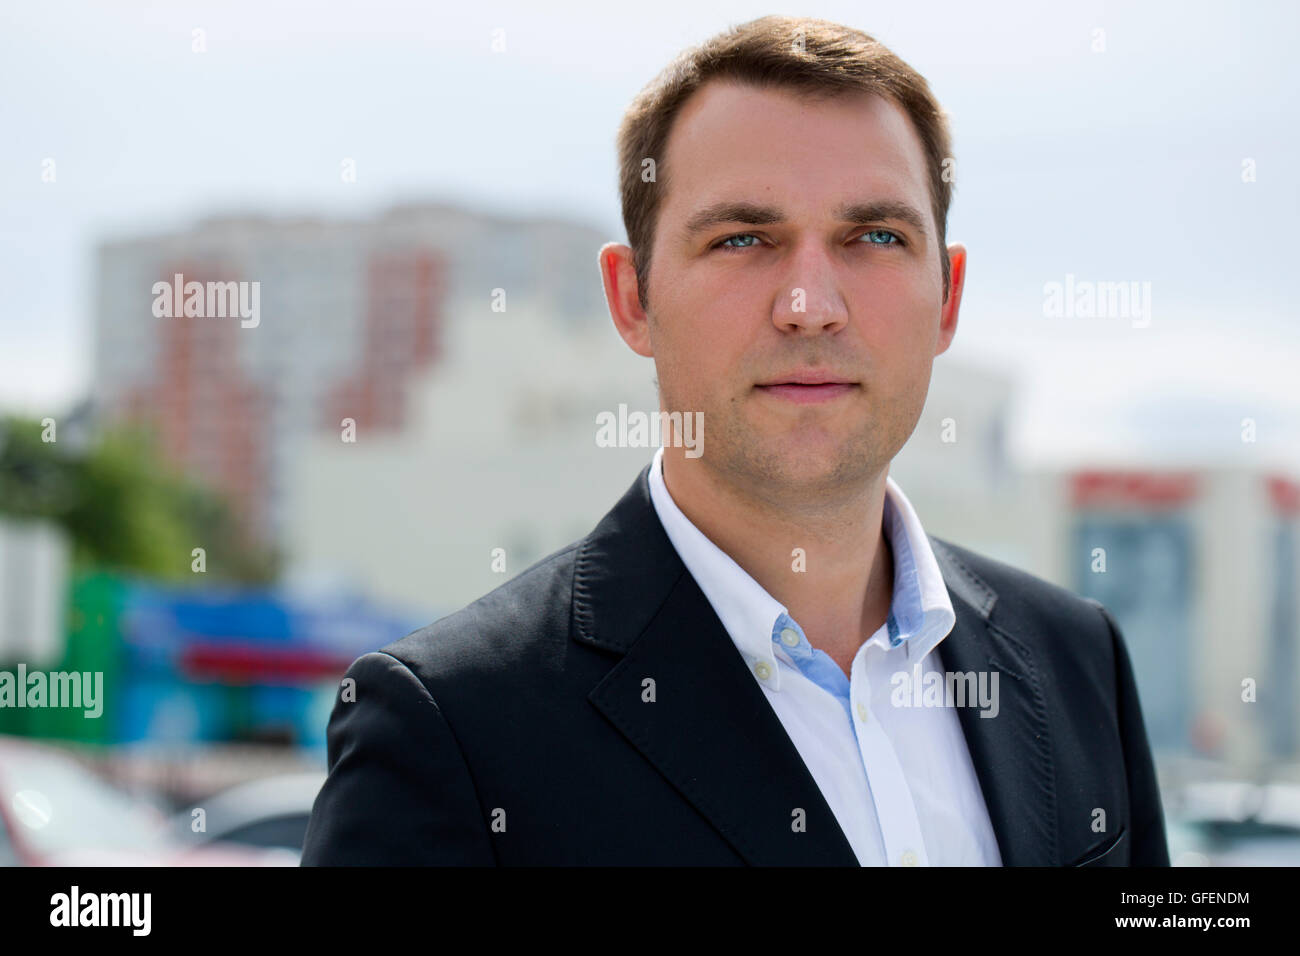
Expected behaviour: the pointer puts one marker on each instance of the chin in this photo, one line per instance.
(802, 465)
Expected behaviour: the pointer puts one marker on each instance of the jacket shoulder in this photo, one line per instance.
(1027, 606)
(1006, 578)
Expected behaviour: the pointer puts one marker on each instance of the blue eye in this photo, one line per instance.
(884, 232)
(739, 235)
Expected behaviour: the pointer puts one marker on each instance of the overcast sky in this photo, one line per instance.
(1120, 165)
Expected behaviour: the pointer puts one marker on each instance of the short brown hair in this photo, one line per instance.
(813, 57)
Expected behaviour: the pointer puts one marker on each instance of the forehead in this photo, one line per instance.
(736, 141)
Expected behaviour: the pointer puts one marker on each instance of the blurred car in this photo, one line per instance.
(271, 812)
(1234, 823)
(56, 812)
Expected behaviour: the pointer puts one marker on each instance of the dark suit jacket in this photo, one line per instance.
(515, 731)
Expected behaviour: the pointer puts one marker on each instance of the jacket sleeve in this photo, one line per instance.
(399, 792)
(1148, 844)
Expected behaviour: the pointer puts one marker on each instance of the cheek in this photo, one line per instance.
(712, 326)
(898, 314)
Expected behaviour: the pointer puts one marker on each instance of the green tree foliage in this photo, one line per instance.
(123, 506)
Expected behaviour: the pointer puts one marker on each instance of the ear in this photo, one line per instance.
(948, 312)
(618, 273)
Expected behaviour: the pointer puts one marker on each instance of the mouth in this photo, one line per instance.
(808, 387)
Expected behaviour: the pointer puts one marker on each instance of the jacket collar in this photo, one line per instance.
(710, 731)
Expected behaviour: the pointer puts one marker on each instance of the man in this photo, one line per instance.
(758, 656)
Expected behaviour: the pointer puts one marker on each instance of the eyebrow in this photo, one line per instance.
(755, 214)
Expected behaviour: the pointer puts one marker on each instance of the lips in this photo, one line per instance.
(808, 376)
(806, 394)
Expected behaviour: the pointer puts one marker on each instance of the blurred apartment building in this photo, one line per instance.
(352, 313)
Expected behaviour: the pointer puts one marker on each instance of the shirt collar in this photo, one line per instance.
(921, 612)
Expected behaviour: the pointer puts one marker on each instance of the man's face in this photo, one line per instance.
(739, 305)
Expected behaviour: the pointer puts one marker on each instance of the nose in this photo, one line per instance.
(811, 301)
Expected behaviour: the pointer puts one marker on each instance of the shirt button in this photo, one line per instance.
(908, 858)
(762, 670)
(863, 713)
(789, 637)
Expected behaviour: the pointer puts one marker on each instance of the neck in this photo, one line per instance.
(827, 561)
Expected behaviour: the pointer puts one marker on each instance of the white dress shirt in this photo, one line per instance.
(899, 779)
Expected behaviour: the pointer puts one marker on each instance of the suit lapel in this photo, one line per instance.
(1011, 751)
(709, 730)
